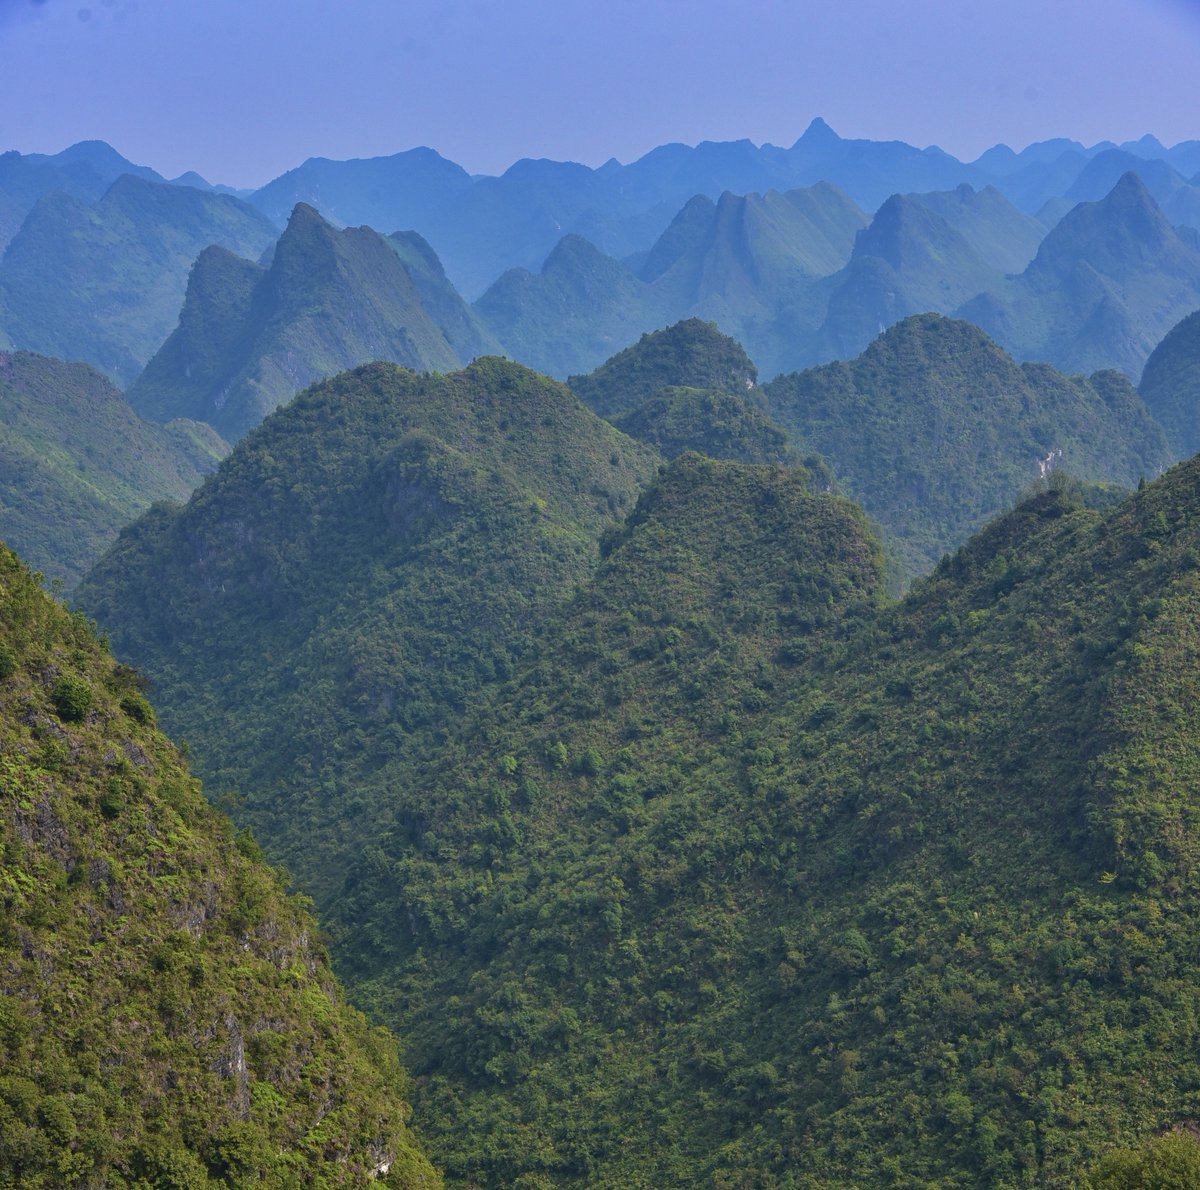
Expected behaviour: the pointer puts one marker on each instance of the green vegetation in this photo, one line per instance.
(691, 354)
(722, 425)
(167, 1017)
(752, 879)
(935, 429)
(250, 337)
(1168, 1162)
(76, 463)
(103, 282)
(361, 565)
(1170, 386)
(700, 862)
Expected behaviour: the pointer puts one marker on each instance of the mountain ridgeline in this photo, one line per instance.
(168, 1017)
(103, 281)
(936, 430)
(708, 782)
(250, 337)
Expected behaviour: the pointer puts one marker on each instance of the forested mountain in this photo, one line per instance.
(76, 463)
(103, 282)
(907, 261)
(1170, 386)
(690, 353)
(935, 430)
(250, 336)
(167, 1017)
(712, 422)
(1109, 280)
(751, 876)
(574, 313)
(358, 568)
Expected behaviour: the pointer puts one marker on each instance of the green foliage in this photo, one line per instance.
(359, 568)
(76, 463)
(72, 698)
(692, 354)
(872, 892)
(936, 430)
(1167, 1162)
(721, 425)
(145, 956)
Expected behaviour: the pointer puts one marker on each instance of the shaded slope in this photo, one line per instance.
(574, 944)
(167, 1017)
(935, 429)
(76, 463)
(1170, 386)
(249, 338)
(1108, 282)
(357, 569)
(104, 282)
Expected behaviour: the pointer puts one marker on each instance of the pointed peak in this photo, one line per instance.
(1130, 186)
(819, 133)
(303, 215)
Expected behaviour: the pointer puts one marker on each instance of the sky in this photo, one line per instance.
(242, 90)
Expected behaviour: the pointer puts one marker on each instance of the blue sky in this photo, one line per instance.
(244, 89)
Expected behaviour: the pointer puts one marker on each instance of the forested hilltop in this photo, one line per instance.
(364, 561)
(167, 1015)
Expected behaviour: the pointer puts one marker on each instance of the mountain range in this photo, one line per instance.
(765, 760)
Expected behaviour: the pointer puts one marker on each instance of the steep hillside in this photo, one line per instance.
(1170, 386)
(748, 877)
(573, 885)
(103, 282)
(721, 425)
(167, 1017)
(358, 569)
(935, 430)
(1108, 282)
(76, 463)
(250, 337)
(692, 354)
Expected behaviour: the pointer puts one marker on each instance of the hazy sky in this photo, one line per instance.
(244, 89)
